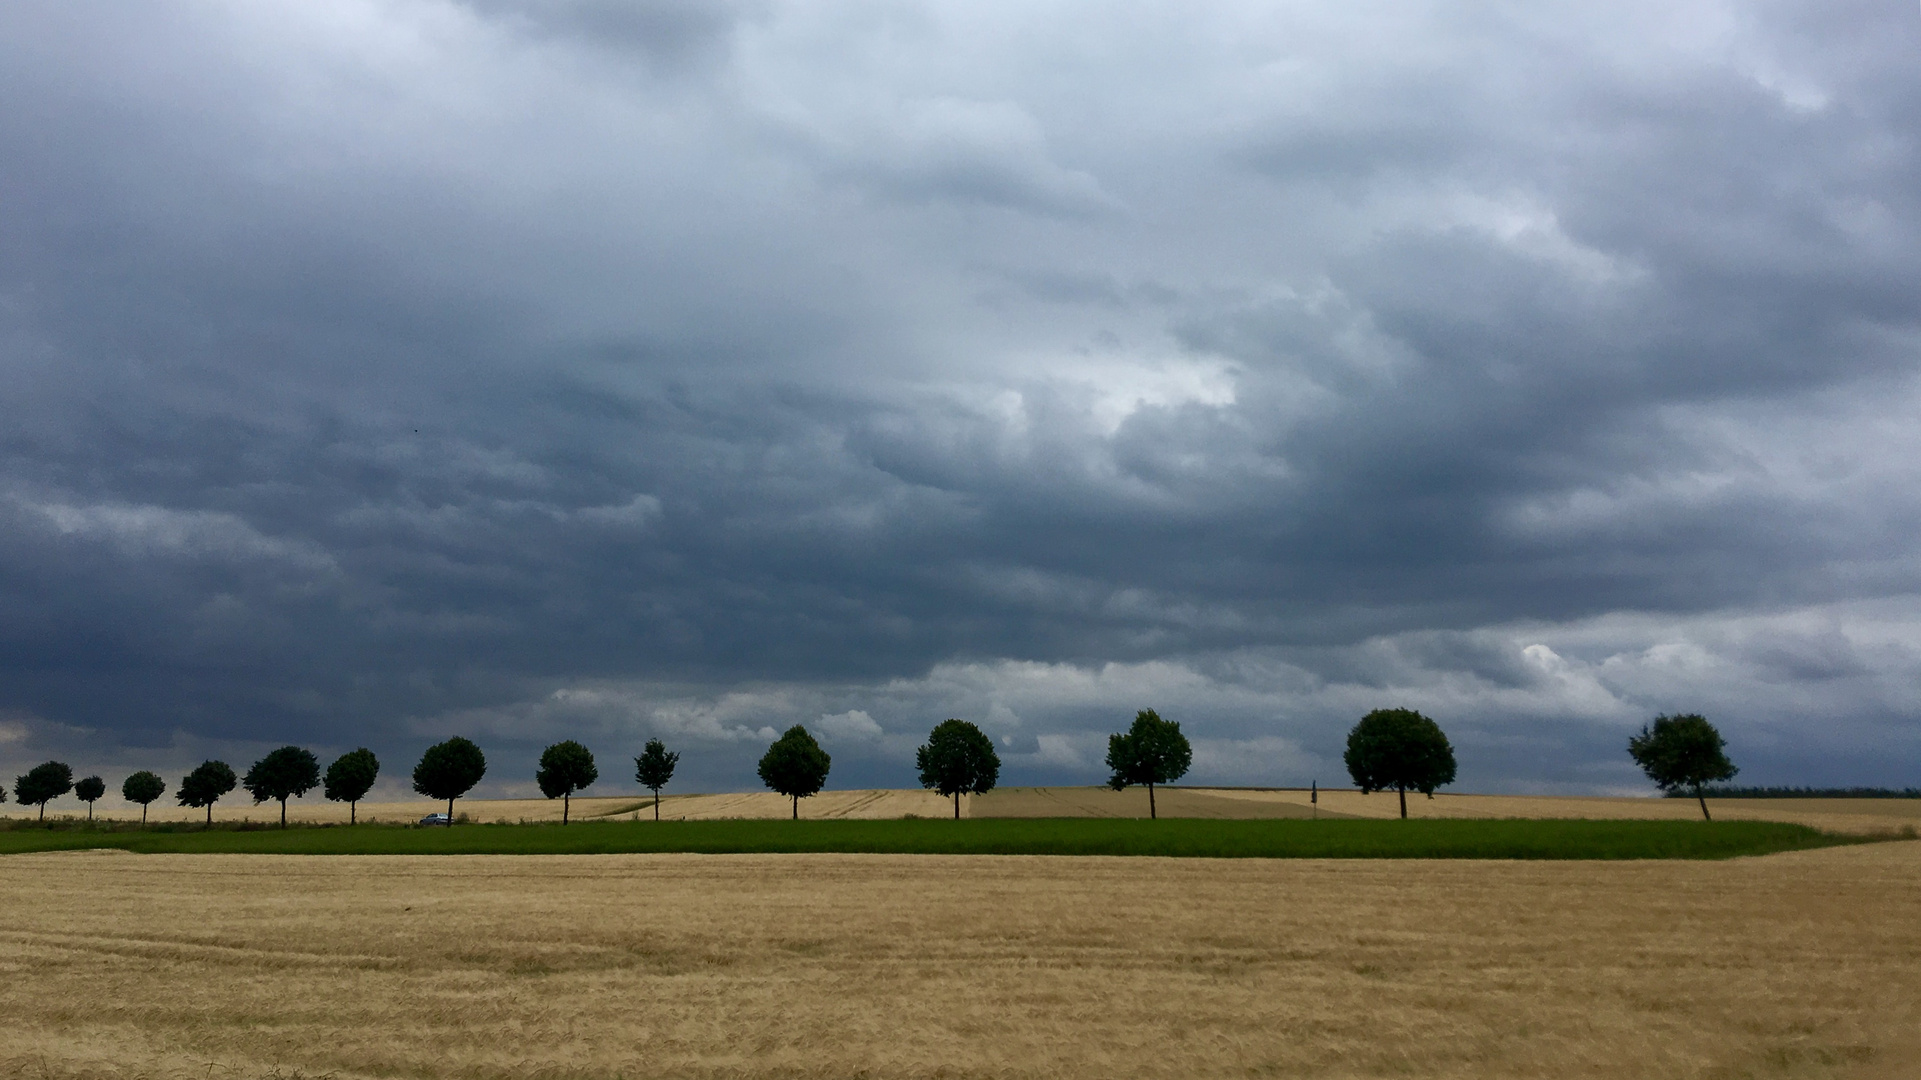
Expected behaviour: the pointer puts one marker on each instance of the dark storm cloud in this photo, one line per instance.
(387, 370)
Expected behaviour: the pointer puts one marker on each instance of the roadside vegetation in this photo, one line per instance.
(1178, 838)
(1388, 750)
(1729, 791)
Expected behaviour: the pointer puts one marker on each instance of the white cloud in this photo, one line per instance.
(853, 725)
(145, 530)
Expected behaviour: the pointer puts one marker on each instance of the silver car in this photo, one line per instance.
(436, 819)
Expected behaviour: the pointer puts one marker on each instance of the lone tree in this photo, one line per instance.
(1399, 749)
(795, 766)
(143, 787)
(449, 770)
(1152, 752)
(48, 780)
(287, 772)
(1682, 752)
(565, 768)
(958, 757)
(205, 784)
(349, 778)
(89, 791)
(653, 768)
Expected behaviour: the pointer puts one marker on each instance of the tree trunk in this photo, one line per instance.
(353, 812)
(283, 813)
(1704, 803)
(210, 815)
(89, 809)
(566, 806)
(1403, 792)
(143, 813)
(450, 813)
(43, 810)
(796, 808)
(1152, 814)
(656, 804)
(956, 806)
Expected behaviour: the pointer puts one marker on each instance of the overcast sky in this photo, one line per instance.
(374, 371)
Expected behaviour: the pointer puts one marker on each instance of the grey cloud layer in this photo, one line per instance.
(381, 370)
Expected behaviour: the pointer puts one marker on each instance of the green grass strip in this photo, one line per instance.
(1283, 839)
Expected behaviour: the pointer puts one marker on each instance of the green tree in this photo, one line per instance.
(89, 792)
(565, 767)
(349, 778)
(46, 781)
(143, 787)
(1398, 749)
(958, 758)
(1682, 752)
(204, 786)
(1153, 751)
(449, 770)
(653, 768)
(289, 772)
(795, 766)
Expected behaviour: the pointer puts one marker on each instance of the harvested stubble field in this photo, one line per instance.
(1799, 965)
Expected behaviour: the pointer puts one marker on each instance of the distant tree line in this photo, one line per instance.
(1396, 750)
(1728, 791)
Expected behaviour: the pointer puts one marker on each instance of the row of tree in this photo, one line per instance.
(1390, 749)
(447, 771)
(284, 773)
(1402, 750)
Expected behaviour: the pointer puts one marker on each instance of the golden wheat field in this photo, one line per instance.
(119, 966)
(1838, 815)
(873, 803)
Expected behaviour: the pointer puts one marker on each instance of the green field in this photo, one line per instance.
(1271, 839)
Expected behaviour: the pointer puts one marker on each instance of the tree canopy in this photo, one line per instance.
(1682, 751)
(142, 787)
(565, 767)
(654, 767)
(795, 766)
(1152, 751)
(449, 770)
(45, 781)
(89, 791)
(204, 786)
(1399, 749)
(289, 772)
(957, 758)
(349, 778)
